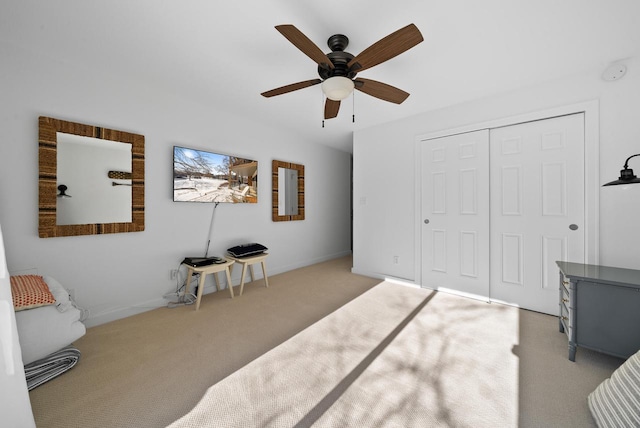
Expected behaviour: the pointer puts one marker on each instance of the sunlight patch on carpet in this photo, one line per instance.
(450, 363)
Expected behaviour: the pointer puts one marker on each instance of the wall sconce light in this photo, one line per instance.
(626, 175)
(63, 191)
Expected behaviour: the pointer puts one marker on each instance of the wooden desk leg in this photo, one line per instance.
(264, 273)
(188, 283)
(253, 278)
(244, 272)
(229, 284)
(217, 281)
(203, 276)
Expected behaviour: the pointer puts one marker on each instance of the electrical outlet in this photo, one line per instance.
(396, 259)
(173, 273)
(72, 294)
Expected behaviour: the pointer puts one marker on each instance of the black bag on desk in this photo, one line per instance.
(247, 250)
(202, 261)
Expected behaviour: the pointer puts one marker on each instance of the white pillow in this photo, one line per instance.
(616, 401)
(63, 303)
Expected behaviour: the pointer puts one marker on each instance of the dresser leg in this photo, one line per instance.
(572, 351)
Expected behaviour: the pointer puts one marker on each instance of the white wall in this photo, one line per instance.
(386, 222)
(121, 274)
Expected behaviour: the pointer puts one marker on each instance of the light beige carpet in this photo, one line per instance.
(148, 370)
(394, 356)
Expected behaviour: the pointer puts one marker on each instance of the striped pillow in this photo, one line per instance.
(616, 401)
(30, 291)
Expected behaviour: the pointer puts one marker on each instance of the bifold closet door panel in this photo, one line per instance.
(537, 209)
(455, 213)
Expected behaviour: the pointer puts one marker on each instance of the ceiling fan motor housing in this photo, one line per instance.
(337, 43)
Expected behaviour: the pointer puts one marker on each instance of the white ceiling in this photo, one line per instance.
(227, 53)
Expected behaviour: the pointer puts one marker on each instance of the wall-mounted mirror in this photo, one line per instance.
(91, 179)
(288, 191)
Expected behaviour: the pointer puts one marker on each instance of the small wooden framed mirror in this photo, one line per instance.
(288, 191)
(91, 179)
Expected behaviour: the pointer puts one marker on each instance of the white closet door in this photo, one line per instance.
(455, 213)
(537, 202)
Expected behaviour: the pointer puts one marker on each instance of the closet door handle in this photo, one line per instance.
(426, 221)
(573, 226)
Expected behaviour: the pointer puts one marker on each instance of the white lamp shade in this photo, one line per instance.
(337, 88)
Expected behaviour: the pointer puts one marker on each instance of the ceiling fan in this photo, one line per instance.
(338, 68)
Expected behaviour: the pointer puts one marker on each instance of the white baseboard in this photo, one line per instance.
(127, 311)
(309, 262)
(123, 312)
(408, 283)
(383, 277)
(463, 294)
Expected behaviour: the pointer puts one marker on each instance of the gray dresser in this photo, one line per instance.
(600, 308)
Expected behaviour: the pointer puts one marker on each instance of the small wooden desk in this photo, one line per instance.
(203, 271)
(249, 261)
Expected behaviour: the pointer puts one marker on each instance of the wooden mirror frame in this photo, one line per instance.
(47, 181)
(274, 197)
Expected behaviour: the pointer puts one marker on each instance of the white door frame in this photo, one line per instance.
(591, 110)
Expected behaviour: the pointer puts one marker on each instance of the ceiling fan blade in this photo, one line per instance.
(381, 90)
(331, 109)
(290, 88)
(392, 45)
(303, 43)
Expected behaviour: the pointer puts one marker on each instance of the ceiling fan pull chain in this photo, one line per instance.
(353, 108)
(322, 106)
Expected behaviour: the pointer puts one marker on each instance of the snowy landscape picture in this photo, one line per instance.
(202, 176)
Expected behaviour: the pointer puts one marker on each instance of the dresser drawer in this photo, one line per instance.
(565, 318)
(565, 304)
(565, 284)
(565, 299)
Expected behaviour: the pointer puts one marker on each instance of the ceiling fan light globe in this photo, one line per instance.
(337, 88)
